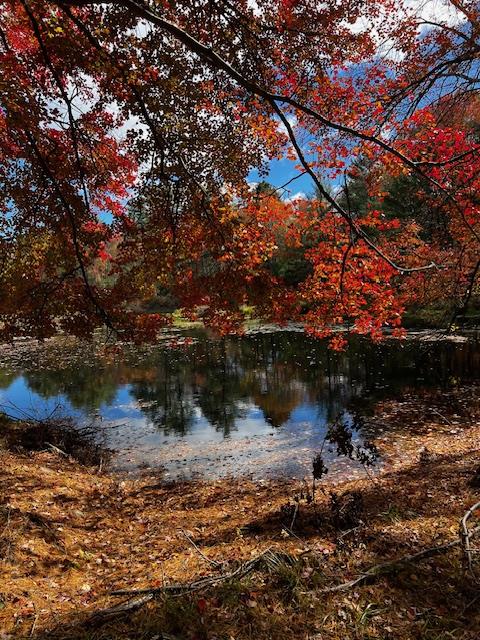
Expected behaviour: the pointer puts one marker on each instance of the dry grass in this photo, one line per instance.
(69, 536)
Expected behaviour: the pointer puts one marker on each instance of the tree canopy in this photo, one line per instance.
(129, 130)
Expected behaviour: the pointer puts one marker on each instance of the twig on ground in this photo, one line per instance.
(216, 564)
(34, 625)
(465, 537)
(346, 533)
(307, 548)
(440, 414)
(386, 568)
(142, 596)
(239, 572)
(471, 603)
(294, 516)
(292, 533)
(56, 449)
(124, 607)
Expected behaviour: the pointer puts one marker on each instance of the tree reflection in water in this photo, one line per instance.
(273, 380)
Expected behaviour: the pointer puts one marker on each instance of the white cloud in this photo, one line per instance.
(292, 121)
(441, 11)
(437, 11)
(300, 195)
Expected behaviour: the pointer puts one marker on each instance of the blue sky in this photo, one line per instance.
(280, 172)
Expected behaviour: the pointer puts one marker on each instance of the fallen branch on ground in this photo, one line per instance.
(216, 564)
(56, 449)
(142, 596)
(273, 560)
(239, 572)
(386, 568)
(124, 607)
(465, 537)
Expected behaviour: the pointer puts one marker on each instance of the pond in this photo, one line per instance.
(257, 405)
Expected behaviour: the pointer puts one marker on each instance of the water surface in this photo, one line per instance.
(257, 405)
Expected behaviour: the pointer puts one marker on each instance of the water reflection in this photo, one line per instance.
(250, 404)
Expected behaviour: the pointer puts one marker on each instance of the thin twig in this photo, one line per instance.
(216, 564)
(441, 415)
(466, 534)
(129, 605)
(308, 549)
(240, 572)
(346, 533)
(32, 630)
(56, 449)
(294, 516)
(385, 568)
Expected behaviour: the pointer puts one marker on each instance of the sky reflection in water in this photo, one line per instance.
(256, 405)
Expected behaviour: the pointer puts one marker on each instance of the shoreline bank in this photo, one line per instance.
(71, 535)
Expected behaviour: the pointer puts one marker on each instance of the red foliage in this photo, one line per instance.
(126, 146)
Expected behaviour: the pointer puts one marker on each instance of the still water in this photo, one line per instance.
(256, 405)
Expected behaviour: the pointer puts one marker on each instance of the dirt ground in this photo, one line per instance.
(71, 534)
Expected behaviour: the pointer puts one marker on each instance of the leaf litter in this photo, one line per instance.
(71, 535)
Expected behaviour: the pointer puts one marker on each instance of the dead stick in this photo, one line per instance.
(32, 630)
(56, 449)
(240, 572)
(465, 534)
(388, 567)
(294, 516)
(216, 564)
(124, 607)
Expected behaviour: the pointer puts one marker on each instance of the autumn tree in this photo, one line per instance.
(135, 124)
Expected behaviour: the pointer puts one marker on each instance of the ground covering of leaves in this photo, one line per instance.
(71, 534)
